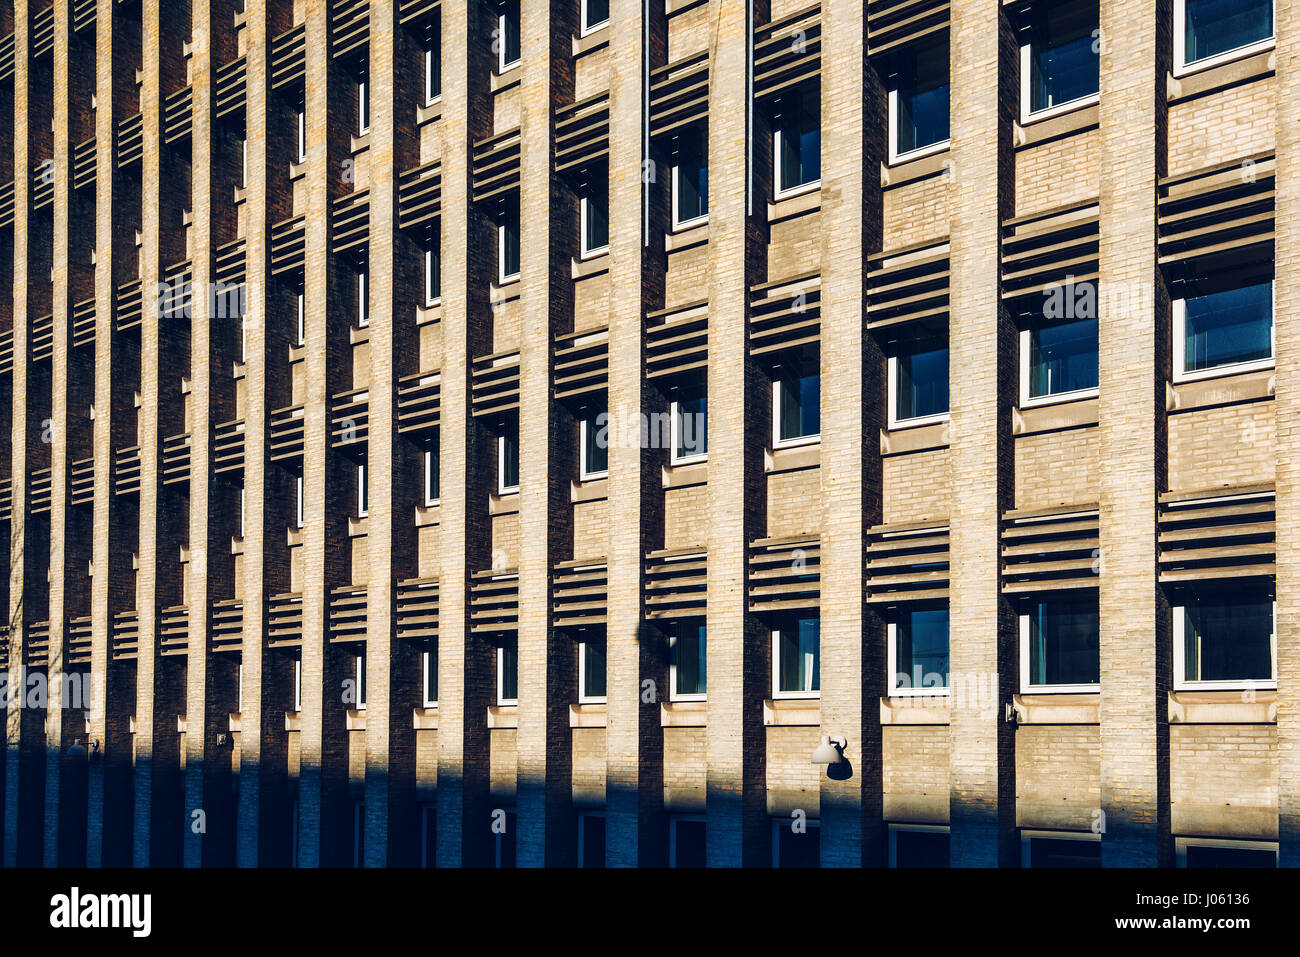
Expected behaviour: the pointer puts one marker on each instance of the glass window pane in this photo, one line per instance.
(921, 648)
(800, 407)
(921, 849)
(1064, 644)
(508, 655)
(922, 101)
(688, 844)
(433, 62)
(595, 433)
(509, 245)
(799, 124)
(691, 181)
(593, 840)
(692, 427)
(1217, 26)
(596, 12)
(922, 384)
(798, 849)
(689, 648)
(593, 668)
(1062, 357)
(1227, 328)
(1199, 855)
(509, 39)
(596, 214)
(1063, 852)
(509, 462)
(800, 658)
(1063, 61)
(1228, 638)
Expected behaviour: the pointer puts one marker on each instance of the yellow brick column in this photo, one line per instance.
(982, 765)
(1133, 366)
(1286, 290)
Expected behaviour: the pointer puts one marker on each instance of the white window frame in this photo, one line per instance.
(302, 135)
(502, 488)
(302, 318)
(1027, 688)
(504, 278)
(777, 441)
(777, 191)
(363, 296)
(301, 496)
(1029, 403)
(673, 821)
(239, 688)
(673, 693)
(430, 97)
(583, 697)
(674, 439)
(894, 829)
(582, 818)
(585, 474)
(896, 157)
(777, 693)
(1026, 837)
(297, 684)
(430, 656)
(778, 825)
(680, 224)
(1183, 68)
(911, 691)
(243, 175)
(1026, 115)
(359, 675)
(897, 423)
(363, 105)
(363, 490)
(588, 252)
(1181, 844)
(587, 28)
(502, 700)
(1180, 346)
(429, 298)
(429, 498)
(502, 65)
(1180, 661)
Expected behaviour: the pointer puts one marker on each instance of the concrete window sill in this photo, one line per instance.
(1055, 417)
(927, 709)
(794, 459)
(1037, 132)
(425, 719)
(1223, 707)
(920, 438)
(356, 719)
(683, 714)
(1254, 66)
(798, 204)
(687, 238)
(596, 264)
(590, 490)
(1224, 390)
(428, 113)
(1056, 708)
(502, 717)
(909, 171)
(792, 712)
(686, 474)
(586, 716)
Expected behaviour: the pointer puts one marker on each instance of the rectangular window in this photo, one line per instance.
(1058, 360)
(1059, 849)
(298, 482)
(796, 658)
(593, 434)
(690, 428)
(591, 839)
(594, 216)
(302, 319)
(1207, 32)
(918, 103)
(796, 844)
(428, 834)
(363, 491)
(1215, 852)
(595, 14)
(363, 294)
(686, 841)
(918, 651)
(591, 671)
(918, 387)
(431, 677)
(508, 242)
(506, 42)
(688, 668)
(690, 182)
(297, 684)
(1060, 644)
(508, 462)
(432, 471)
(1226, 331)
(302, 134)
(433, 271)
(243, 174)
(797, 142)
(363, 105)
(1226, 639)
(433, 62)
(508, 671)
(796, 409)
(359, 675)
(1060, 65)
(919, 845)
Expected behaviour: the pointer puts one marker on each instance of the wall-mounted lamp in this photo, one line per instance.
(76, 750)
(830, 751)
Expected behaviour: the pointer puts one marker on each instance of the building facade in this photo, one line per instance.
(650, 432)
